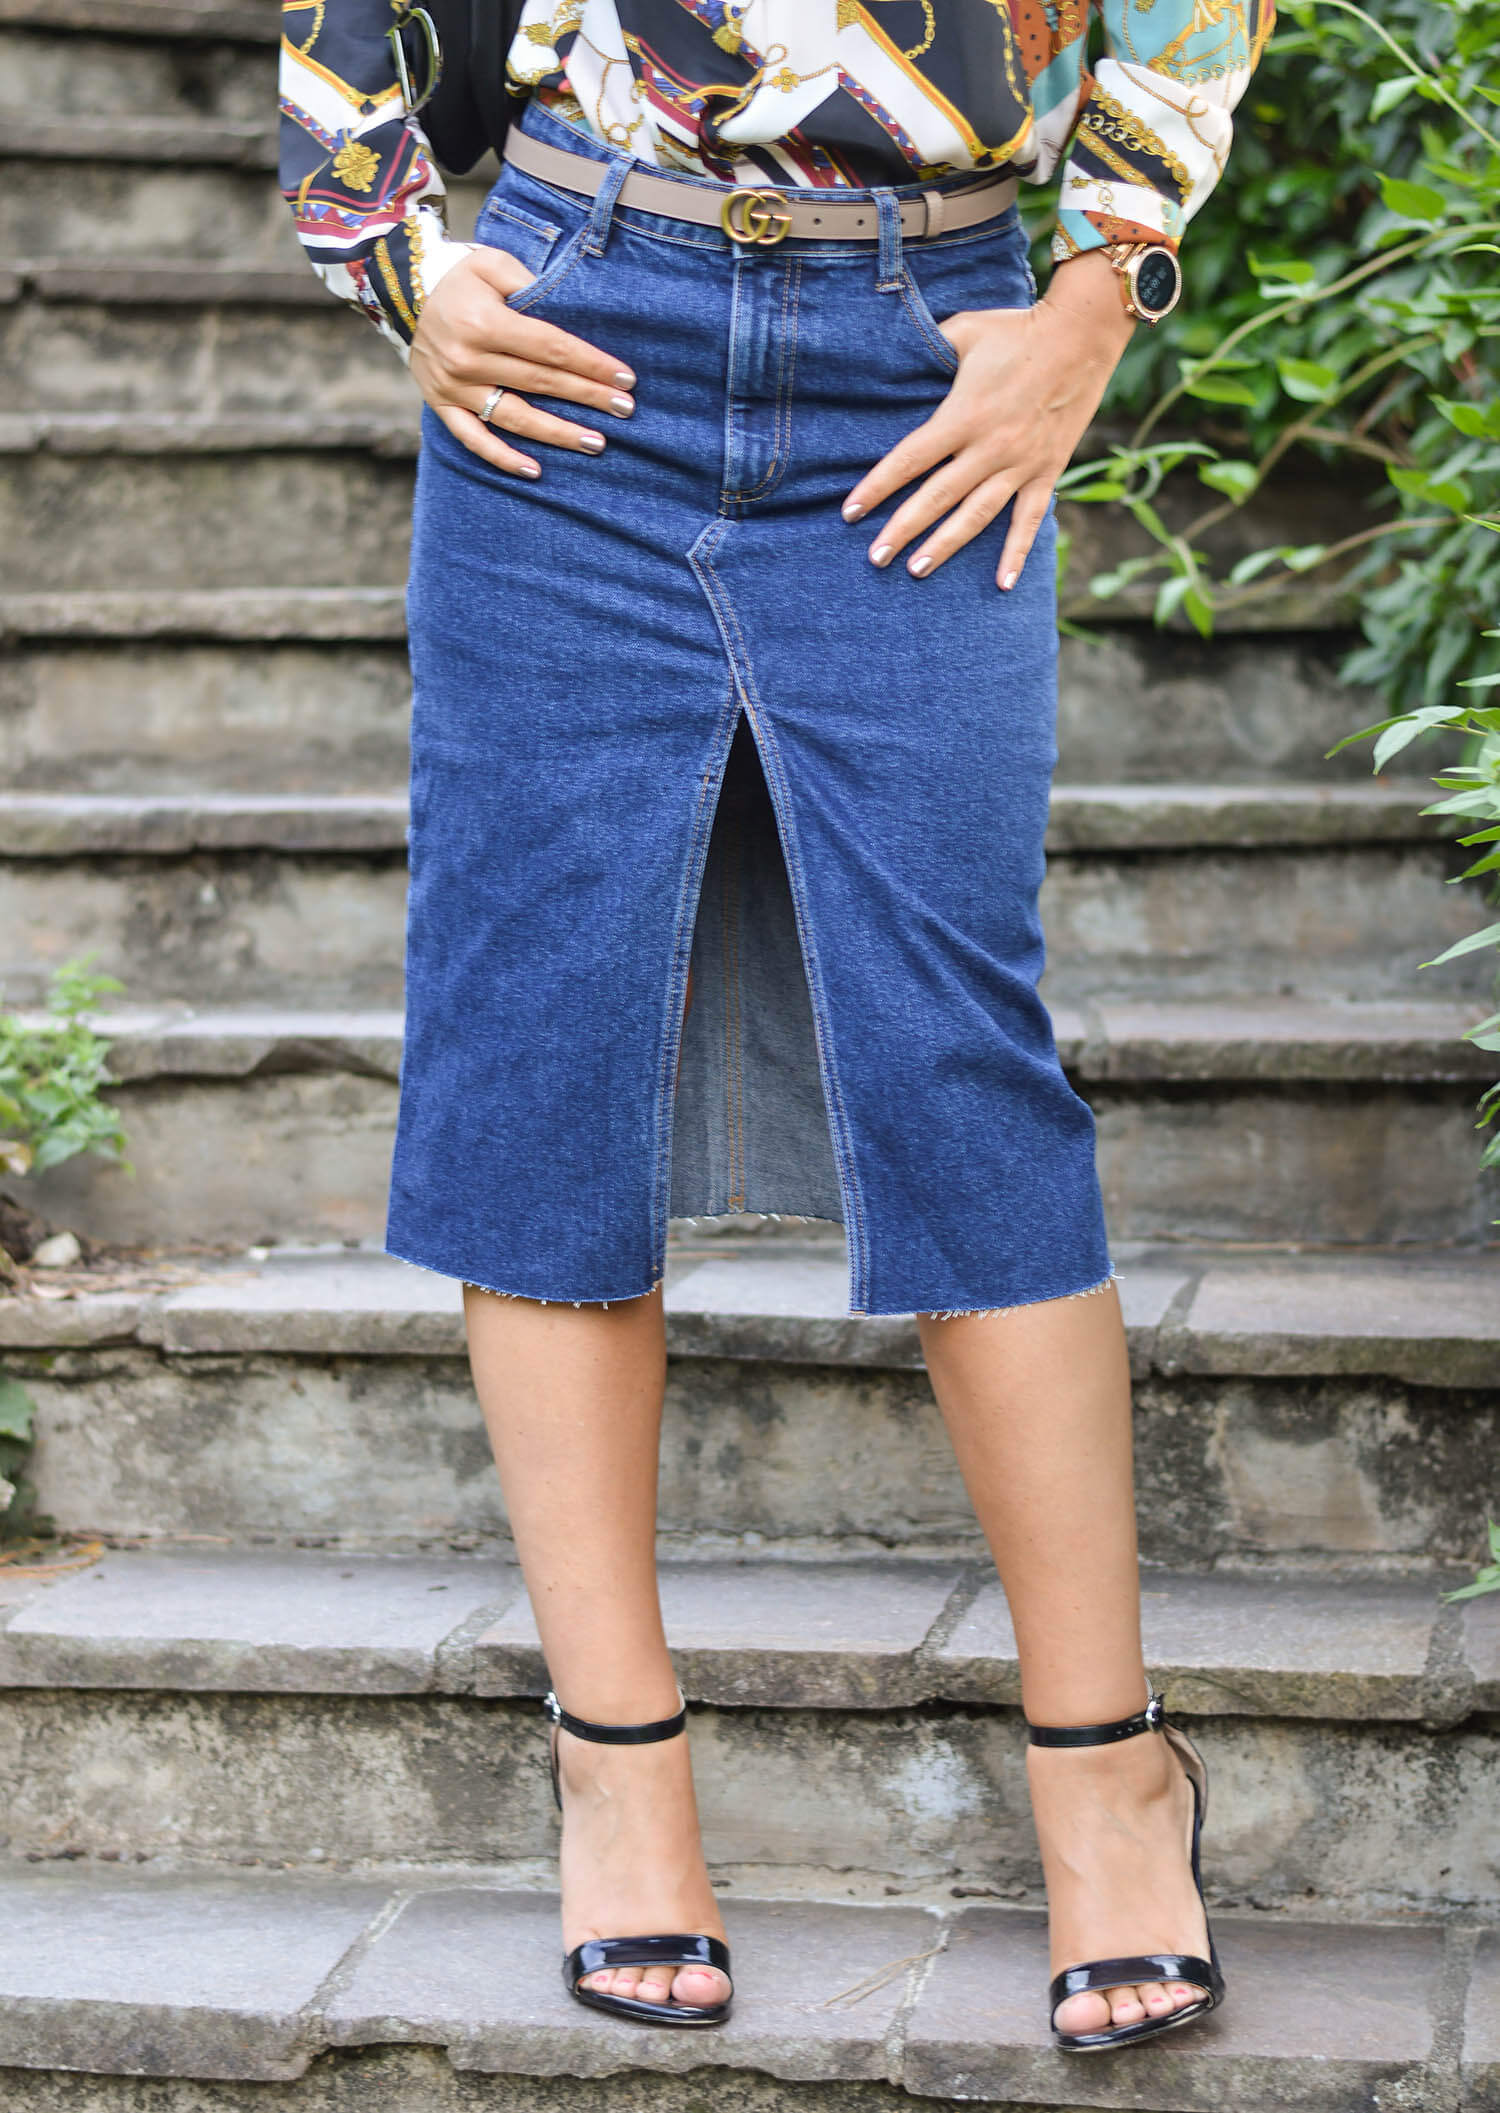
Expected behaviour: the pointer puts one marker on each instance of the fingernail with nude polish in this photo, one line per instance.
(881, 554)
(529, 469)
(622, 406)
(852, 510)
(624, 377)
(594, 442)
(1009, 581)
(919, 566)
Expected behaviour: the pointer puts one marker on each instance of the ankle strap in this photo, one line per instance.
(615, 1734)
(1151, 1718)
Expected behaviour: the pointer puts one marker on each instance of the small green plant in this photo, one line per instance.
(1488, 1579)
(1472, 787)
(51, 1073)
(17, 1411)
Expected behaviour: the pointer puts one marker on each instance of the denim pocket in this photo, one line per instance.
(560, 262)
(548, 247)
(943, 279)
(526, 235)
(926, 322)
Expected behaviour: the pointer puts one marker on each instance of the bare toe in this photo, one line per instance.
(656, 1984)
(700, 1985)
(1086, 2013)
(1157, 1999)
(1125, 2006)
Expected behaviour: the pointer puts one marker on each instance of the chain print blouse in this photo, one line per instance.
(823, 92)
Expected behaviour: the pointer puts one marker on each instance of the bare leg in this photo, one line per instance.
(572, 1397)
(1037, 1403)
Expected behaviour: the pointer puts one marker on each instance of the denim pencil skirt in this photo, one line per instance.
(666, 712)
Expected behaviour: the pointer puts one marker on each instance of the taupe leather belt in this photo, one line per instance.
(761, 214)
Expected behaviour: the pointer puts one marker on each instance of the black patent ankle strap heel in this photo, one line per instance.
(1143, 1966)
(599, 1954)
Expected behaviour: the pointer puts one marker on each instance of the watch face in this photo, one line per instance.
(1157, 281)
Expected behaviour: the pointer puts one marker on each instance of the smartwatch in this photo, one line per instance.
(1150, 278)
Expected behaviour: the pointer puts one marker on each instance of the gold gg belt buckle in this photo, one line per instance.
(755, 216)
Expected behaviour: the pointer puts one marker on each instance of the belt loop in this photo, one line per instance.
(888, 276)
(602, 210)
(933, 200)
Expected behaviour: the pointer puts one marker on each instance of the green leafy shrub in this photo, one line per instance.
(51, 1073)
(1345, 307)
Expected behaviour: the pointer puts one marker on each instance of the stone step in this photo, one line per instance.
(127, 340)
(1104, 819)
(293, 899)
(1290, 1406)
(1278, 1119)
(169, 20)
(125, 501)
(246, 519)
(185, 1687)
(49, 82)
(128, 433)
(79, 189)
(298, 689)
(755, 1633)
(433, 1994)
(154, 137)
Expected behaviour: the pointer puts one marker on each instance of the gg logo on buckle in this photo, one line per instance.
(755, 216)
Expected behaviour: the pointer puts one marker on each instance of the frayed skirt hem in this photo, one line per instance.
(985, 1313)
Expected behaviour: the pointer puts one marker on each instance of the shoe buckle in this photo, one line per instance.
(551, 1707)
(748, 215)
(1156, 1711)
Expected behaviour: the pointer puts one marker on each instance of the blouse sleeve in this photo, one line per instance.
(1155, 127)
(368, 202)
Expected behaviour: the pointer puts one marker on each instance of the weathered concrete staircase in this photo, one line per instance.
(276, 1829)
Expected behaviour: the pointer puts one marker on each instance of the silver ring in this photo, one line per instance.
(488, 410)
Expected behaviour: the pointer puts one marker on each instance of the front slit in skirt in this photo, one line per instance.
(666, 710)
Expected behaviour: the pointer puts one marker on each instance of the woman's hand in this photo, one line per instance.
(466, 340)
(1029, 380)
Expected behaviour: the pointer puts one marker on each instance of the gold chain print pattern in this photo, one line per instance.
(830, 93)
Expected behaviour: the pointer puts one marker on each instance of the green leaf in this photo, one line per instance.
(1407, 727)
(1413, 201)
(1104, 586)
(1219, 389)
(1250, 568)
(1103, 489)
(1308, 381)
(1390, 93)
(1475, 421)
(1237, 480)
(1199, 611)
(1490, 936)
(1393, 740)
(1303, 557)
(16, 1410)
(1293, 271)
(1151, 521)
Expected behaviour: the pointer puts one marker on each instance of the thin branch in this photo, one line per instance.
(1279, 309)
(1241, 595)
(1420, 72)
(1304, 429)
